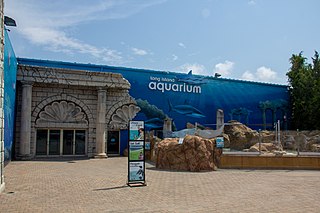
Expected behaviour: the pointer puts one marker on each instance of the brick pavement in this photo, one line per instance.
(95, 185)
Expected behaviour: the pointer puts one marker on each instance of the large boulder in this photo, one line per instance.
(266, 147)
(315, 148)
(288, 142)
(241, 137)
(267, 136)
(194, 154)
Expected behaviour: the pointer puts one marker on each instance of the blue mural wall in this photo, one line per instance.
(10, 76)
(193, 98)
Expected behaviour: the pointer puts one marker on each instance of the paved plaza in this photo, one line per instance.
(99, 185)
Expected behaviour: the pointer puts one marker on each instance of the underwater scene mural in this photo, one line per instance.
(188, 98)
(10, 76)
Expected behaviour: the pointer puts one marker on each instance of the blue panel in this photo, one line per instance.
(194, 98)
(123, 140)
(10, 76)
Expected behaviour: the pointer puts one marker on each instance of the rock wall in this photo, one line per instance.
(194, 154)
(242, 137)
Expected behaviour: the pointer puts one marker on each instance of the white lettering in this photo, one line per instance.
(196, 89)
(153, 85)
(152, 78)
(168, 87)
(160, 86)
(175, 87)
(189, 89)
(168, 79)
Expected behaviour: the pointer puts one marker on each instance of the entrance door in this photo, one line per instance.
(67, 142)
(60, 142)
(54, 142)
(113, 142)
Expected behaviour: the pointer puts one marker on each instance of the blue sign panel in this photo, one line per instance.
(219, 142)
(10, 76)
(136, 153)
(188, 98)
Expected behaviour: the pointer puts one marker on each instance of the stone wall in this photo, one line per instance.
(78, 89)
(42, 95)
(194, 154)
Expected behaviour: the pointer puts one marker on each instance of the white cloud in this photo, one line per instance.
(47, 25)
(225, 68)
(137, 51)
(182, 45)
(174, 57)
(263, 74)
(196, 69)
(247, 75)
(266, 74)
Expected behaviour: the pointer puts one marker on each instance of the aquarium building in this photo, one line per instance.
(61, 109)
(74, 109)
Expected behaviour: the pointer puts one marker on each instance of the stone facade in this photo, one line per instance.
(63, 99)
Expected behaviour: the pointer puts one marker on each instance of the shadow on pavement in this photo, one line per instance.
(111, 188)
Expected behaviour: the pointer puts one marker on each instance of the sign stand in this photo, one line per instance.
(136, 154)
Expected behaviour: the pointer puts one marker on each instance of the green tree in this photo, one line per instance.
(304, 88)
(315, 102)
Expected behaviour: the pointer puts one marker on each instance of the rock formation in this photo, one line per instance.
(241, 137)
(244, 138)
(194, 154)
(266, 147)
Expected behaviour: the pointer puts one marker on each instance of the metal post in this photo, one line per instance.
(260, 141)
(276, 133)
(298, 144)
(279, 139)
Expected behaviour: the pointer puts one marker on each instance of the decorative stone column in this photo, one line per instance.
(101, 124)
(25, 132)
(220, 118)
(167, 127)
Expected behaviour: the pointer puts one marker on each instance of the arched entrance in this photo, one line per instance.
(61, 130)
(118, 119)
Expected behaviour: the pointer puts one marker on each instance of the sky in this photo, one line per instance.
(239, 39)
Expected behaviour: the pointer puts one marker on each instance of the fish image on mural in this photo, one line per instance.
(154, 123)
(187, 110)
(154, 115)
(191, 79)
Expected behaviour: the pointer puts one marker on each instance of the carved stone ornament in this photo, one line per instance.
(62, 112)
(123, 115)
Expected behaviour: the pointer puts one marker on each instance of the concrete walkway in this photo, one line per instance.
(99, 185)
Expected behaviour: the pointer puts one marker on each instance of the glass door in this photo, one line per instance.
(54, 142)
(113, 142)
(67, 142)
(60, 142)
(42, 140)
(80, 142)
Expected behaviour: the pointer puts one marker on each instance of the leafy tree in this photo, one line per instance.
(304, 82)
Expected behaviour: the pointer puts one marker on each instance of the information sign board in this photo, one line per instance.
(219, 142)
(136, 130)
(136, 153)
(136, 150)
(147, 145)
(136, 171)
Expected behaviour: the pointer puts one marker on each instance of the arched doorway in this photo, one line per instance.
(61, 130)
